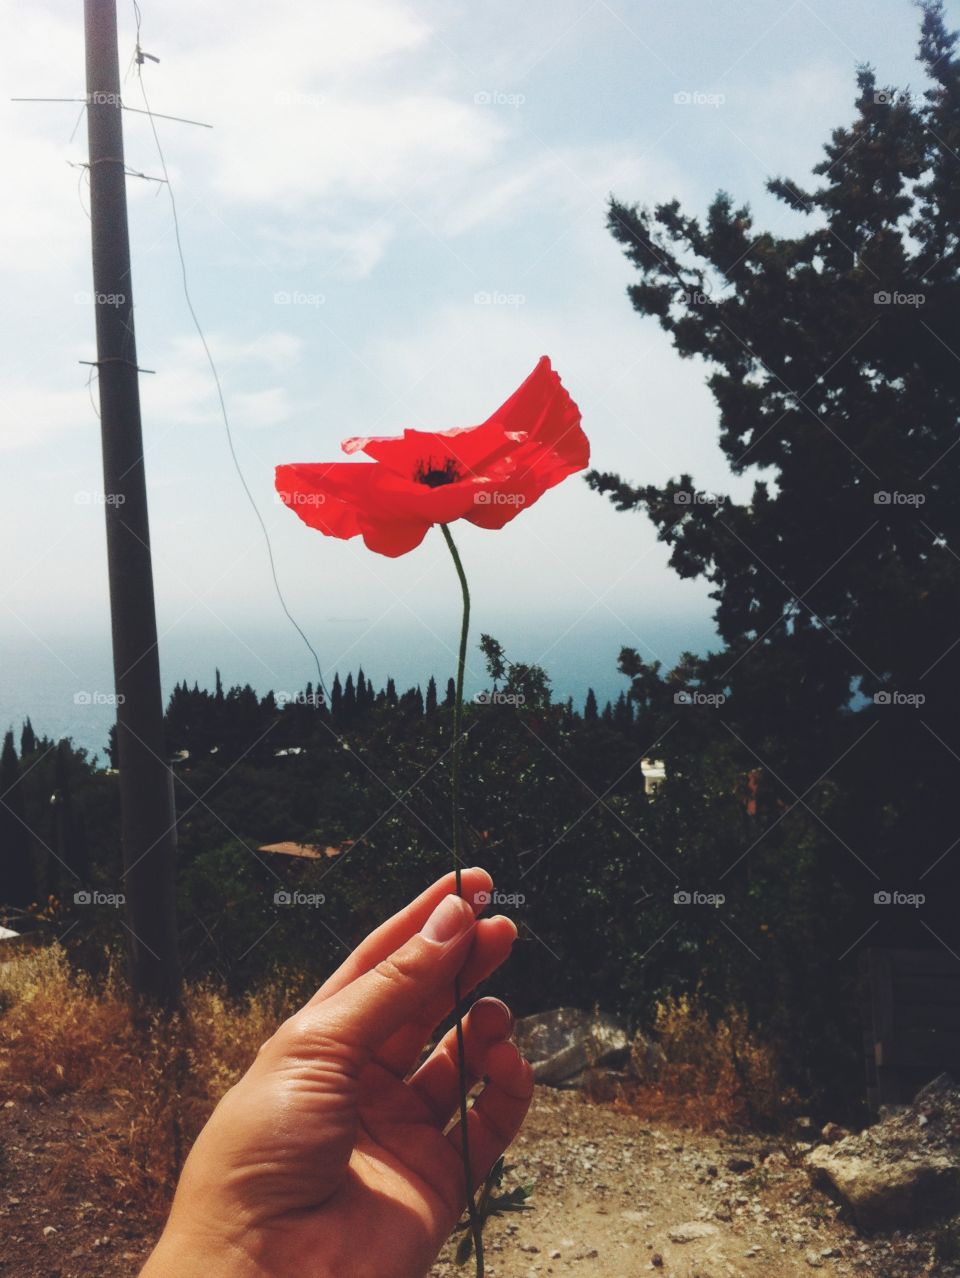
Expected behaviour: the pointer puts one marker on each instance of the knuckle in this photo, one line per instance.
(396, 969)
(308, 1038)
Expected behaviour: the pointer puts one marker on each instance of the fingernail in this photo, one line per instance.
(449, 920)
(489, 1000)
(516, 932)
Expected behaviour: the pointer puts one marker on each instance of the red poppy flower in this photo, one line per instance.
(486, 474)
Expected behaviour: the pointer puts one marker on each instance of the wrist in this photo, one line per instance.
(198, 1252)
(181, 1254)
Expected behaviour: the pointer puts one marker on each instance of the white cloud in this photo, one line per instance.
(350, 147)
(256, 409)
(560, 180)
(183, 393)
(782, 119)
(351, 254)
(31, 415)
(303, 105)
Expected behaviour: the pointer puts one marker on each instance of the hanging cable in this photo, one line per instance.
(139, 56)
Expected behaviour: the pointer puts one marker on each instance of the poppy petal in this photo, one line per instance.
(486, 474)
(392, 537)
(304, 488)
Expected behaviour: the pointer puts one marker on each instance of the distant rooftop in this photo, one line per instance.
(310, 851)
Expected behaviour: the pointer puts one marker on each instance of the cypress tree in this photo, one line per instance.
(348, 706)
(17, 886)
(623, 712)
(28, 739)
(69, 844)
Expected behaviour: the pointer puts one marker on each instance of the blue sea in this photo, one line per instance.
(64, 680)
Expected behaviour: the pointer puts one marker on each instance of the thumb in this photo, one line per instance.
(365, 1013)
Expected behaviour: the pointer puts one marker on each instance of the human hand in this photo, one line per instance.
(326, 1158)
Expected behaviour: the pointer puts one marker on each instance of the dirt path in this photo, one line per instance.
(613, 1196)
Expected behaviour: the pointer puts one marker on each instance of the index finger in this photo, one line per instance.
(396, 931)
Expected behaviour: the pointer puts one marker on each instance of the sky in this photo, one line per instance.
(399, 208)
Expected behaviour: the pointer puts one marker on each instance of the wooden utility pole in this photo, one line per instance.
(148, 828)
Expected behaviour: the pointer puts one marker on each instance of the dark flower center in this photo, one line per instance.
(436, 476)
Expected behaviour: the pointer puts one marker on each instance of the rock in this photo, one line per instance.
(940, 1090)
(656, 1260)
(48, 1230)
(691, 1231)
(886, 1195)
(832, 1132)
(565, 1044)
(739, 1165)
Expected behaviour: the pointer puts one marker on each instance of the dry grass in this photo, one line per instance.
(706, 1072)
(150, 1088)
(144, 1093)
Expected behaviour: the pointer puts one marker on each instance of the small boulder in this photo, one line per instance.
(833, 1132)
(691, 1231)
(564, 1045)
(901, 1172)
(887, 1195)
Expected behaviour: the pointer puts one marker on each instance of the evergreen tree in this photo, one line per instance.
(17, 886)
(431, 700)
(67, 843)
(348, 706)
(336, 700)
(623, 712)
(450, 697)
(590, 707)
(391, 693)
(28, 740)
(495, 658)
(368, 697)
(833, 366)
(412, 702)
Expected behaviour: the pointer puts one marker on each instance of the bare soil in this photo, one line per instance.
(613, 1196)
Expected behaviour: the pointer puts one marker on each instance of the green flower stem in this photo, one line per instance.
(476, 1225)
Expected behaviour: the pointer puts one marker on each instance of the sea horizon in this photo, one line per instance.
(66, 686)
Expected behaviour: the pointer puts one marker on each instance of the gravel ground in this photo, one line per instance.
(613, 1196)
